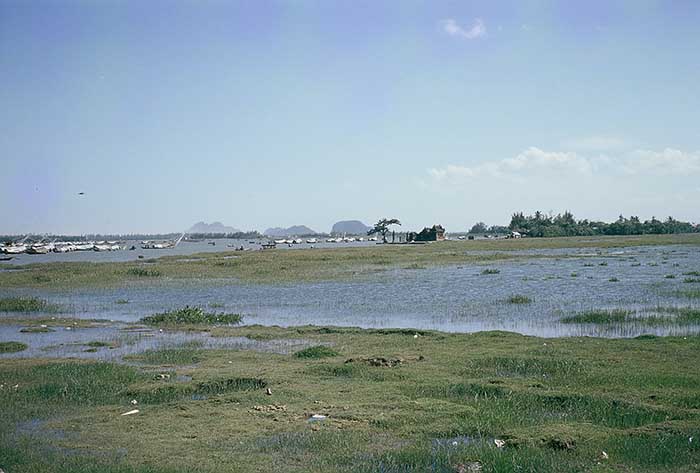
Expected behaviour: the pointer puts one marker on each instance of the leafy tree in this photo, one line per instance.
(382, 227)
(479, 227)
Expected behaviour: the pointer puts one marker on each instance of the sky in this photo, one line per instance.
(275, 113)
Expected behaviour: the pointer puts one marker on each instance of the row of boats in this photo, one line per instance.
(312, 241)
(41, 248)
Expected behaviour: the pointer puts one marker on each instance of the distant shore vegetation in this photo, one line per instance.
(543, 225)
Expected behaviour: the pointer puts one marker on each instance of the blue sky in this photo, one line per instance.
(264, 114)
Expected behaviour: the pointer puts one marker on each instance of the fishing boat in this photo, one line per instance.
(162, 245)
(312, 241)
(14, 249)
(38, 250)
(64, 248)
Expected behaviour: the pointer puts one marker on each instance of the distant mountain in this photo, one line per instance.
(291, 231)
(214, 227)
(351, 227)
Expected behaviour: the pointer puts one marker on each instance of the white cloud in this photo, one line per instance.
(537, 163)
(668, 161)
(531, 161)
(476, 30)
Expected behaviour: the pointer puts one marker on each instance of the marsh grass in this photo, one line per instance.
(490, 271)
(192, 316)
(692, 273)
(682, 316)
(143, 272)
(691, 280)
(525, 367)
(613, 279)
(12, 347)
(556, 402)
(315, 352)
(599, 317)
(343, 263)
(186, 354)
(519, 299)
(670, 276)
(26, 304)
(688, 293)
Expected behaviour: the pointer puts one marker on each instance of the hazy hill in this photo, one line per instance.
(351, 227)
(291, 231)
(214, 227)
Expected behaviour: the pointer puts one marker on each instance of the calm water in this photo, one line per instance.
(453, 299)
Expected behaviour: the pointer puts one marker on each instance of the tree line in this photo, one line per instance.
(542, 225)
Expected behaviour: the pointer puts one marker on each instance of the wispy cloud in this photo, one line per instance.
(668, 161)
(532, 160)
(535, 162)
(452, 28)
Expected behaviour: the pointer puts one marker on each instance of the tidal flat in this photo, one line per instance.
(496, 356)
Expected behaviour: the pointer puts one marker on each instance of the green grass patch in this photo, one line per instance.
(691, 280)
(26, 304)
(143, 272)
(318, 351)
(12, 347)
(557, 403)
(674, 316)
(688, 293)
(185, 354)
(598, 317)
(519, 299)
(192, 316)
(490, 271)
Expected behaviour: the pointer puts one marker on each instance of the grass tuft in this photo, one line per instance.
(318, 351)
(598, 317)
(185, 354)
(490, 271)
(26, 304)
(12, 347)
(192, 316)
(519, 299)
(143, 272)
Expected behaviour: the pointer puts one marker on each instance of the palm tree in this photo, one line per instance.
(382, 227)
